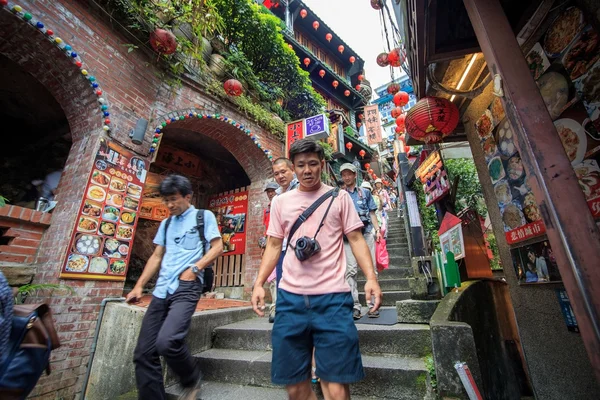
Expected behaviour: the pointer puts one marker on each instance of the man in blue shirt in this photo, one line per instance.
(366, 208)
(180, 259)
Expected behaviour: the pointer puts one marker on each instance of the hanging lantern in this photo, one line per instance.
(358, 124)
(431, 119)
(382, 60)
(396, 57)
(316, 25)
(303, 13)
(400, 120)
(352, 59)
(399, 129)
(376, 4)
(329, 36)
(346, 93)
(362, 152)
(360, 78)
(233, 87)
(361, 117)
(322, 73)
(335, 84)
(163, 41)
(341, 48)
(306, 61)
(369, 170)
(349, 146)
(367, 166)
(401, 99)
(393, 88)
(357, 87)
(396, 112)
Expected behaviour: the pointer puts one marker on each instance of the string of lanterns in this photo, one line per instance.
(68, 51)
(187, 115)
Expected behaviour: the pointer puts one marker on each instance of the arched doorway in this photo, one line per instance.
(227, 163)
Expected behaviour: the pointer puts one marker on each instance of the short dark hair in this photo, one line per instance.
(306, 146)
(174, 184)
(287, 162)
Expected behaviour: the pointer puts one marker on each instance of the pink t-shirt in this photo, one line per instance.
(324, 272)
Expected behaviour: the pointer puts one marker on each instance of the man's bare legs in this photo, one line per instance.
(335, 391)
(301, 391)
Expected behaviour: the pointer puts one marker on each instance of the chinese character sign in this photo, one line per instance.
(294, 131)
(230, 211)
(372, 124)
(178, 160)
(101, 240)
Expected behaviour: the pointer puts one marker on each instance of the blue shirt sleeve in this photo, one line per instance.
(370, 201)
(211, 229)
(159, 239)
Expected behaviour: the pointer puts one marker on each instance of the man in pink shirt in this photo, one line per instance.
(314, 305)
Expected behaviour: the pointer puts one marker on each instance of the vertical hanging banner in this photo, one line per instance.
(230, 211)
(294, 131)
(100, 244)
(372, 124)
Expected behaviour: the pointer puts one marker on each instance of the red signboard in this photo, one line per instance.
(294, 132)
(101, 242)
(525, 232)
(231, 211)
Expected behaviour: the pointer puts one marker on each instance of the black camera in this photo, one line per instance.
(306, 248)
(366, 220)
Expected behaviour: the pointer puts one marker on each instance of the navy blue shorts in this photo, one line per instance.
(323, 321)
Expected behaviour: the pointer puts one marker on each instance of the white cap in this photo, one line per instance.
(367, 185)
(378, 180)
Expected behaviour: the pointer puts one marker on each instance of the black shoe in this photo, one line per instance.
(375, 314)
(192, 392)
(356, 314)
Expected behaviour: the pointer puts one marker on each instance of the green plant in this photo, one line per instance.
(3, 201)
(493, 244)
(430, 365)
(428, 216)
(350, 132)
(35, 288)
(469, 191)
(328, 150)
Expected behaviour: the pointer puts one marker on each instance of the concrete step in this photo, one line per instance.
(389, 377)
(388, 284)
(401, 339)
(416, 311)
(391, 273)
(389, 298)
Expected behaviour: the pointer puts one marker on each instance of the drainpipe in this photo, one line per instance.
(93, 350)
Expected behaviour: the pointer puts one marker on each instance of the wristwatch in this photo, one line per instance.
(195, 269)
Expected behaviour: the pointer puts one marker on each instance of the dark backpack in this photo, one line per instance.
(199, 227)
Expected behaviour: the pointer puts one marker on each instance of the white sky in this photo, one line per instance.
(358, 24)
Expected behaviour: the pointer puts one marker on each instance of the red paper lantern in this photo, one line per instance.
(335, 84)
(341, 48)
(352, 59)
(349, 146)
(303, 13)
(432, 119)
(233, 87)
(360, 78)
(358, 124)
(396, 57)
(163, 41)
(382, 60)
(370, 170)
(346, 93)
(360, 116)
(396, 112)
(316, 25)
(393, 88)
(401, 99)
(367, 166)
(306, 61)
(362, 152)
(400, 120)
(329, 36)
(376, 4)
(322, 73)
(357, 87)
(399, 129)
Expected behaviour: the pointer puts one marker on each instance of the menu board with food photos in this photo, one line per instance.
(101, 242)
(152, 206)
(230, 211)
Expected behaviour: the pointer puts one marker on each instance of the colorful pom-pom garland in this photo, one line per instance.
(67, 49)
(187, 114)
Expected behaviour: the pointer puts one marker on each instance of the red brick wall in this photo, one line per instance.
(132, 91)
(24, 230)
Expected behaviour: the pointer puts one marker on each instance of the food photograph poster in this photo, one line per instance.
(152, 207)
(101, 240)
(230, 211)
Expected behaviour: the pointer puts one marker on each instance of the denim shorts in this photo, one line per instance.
(321, 321)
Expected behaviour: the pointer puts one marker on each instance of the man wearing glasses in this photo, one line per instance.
(180, 258)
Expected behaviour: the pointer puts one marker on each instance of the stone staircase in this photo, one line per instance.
(239, 362)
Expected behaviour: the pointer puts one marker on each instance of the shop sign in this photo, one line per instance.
(451, 237)
(317, 127)
(413, 209)
(178, 160)
(372, 124)
(567, 310)
(525, 232)
(294, 131)
(434, 178)
(152, 206)
(231, 211)
(100, 244)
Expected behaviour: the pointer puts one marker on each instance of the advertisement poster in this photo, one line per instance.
(152, 206)
(372, 124)
(535, 263)
(231, 211)
(100, 244)
(434, 178)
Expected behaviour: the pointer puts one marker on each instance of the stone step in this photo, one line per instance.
(391, 273)
(389, 377)
(416, 311)
(388, 284)
(401, 339)
(389, 298)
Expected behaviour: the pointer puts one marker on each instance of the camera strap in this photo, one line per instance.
(308, 212)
